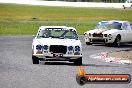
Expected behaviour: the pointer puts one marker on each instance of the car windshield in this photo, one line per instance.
(57, 33)
(109, 26)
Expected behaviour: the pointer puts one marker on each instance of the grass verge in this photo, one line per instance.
(25, 19)
(31, 27)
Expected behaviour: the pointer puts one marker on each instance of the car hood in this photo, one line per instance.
(102, 31)
(110, 31)
(55, 41)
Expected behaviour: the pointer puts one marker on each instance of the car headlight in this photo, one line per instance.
(70, 48)
(39, 47)
(77, 48)
(105, 35)
(45, 47)
(110, 36)
(86, 34)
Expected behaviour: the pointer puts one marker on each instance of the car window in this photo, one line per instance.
(102, 26)
(57, 33)
(43, 33)
(115, 26)
(109, 26)
(124, 26)
(71, 35)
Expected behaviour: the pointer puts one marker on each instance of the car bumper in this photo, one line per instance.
(97, 40)
(57, 56)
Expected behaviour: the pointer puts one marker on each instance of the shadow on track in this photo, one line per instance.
(72, 64)
(58, 63)
(95, 65)
(111, 45)
(84, 65)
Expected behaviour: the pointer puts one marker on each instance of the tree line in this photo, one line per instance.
(110, 1)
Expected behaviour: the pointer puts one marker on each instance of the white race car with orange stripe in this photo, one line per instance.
(115, 32)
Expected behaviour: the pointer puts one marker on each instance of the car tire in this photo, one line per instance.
(117, 42)
(108, 44)
(35, 60)
(88, 43)
(78, 61)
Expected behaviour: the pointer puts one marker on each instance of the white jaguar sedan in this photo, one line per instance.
(57, 43)
(107, 32)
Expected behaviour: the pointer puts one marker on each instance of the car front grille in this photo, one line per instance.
(97, 40)
(58, 49)
(97, 35)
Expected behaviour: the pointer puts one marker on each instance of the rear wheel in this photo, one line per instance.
(78, 61)
(117, 41)
(35, 60)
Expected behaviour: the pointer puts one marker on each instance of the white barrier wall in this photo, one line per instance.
(61, 3)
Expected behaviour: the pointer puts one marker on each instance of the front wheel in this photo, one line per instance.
(35, 60)
(78, 61)
(88, 43)
(117, 41)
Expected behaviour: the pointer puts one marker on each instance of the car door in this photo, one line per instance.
(126, 32)
(129, 33)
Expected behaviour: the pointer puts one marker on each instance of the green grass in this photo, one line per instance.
(31, 27)
(25, 19)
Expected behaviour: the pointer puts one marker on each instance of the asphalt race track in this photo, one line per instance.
(17, 70)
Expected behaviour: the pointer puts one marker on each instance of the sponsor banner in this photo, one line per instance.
(83, 78)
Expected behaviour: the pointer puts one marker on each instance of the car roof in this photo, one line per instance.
(68, 28)
(43, 27)
(113, 21)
